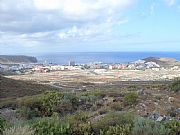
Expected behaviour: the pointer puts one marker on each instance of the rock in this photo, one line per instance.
(105, 98)
(141, 92)
(160, 118)
(155, 116)
(143, 105)
(177, 110)
(171, 99)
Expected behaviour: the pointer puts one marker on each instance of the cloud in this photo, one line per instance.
(82, 7)
(34, 22)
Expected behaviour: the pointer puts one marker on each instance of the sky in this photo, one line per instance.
(47, 26)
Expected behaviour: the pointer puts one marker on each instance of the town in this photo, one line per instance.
(149, 69)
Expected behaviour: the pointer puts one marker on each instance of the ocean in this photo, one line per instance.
(103, 57)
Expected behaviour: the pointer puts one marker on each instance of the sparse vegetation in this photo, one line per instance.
(51, 126)
(96, 112)
(49, 101)
(3, 124)
(174, 126)
(117, 130)
(175, 86)
(148, 127)
(19, 130)
(113, 119)
(130, 98)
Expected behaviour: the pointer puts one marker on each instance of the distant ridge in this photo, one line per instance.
(162, 61)
(16, 59)
(157, 59)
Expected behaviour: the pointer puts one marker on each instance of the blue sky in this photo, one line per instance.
(47, 26)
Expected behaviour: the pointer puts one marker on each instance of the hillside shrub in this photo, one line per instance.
(30, 101)
(79, 123)
(19, 130)
(174, 127)
(86, 102)
(98, 93)
(30, 106)
(148, 127)
(81, 116)
(117, 106)
(3, 124)
(65, 107)
(82, 129)
(49, 101)
(117, 130)
(39, 105)
(71, 97)
(88, 98)
(68, 104)
(51, 126)
(130, 98)
(97, 105)
(29, 113)
(103, 110)
(113, 119)
(175, 86)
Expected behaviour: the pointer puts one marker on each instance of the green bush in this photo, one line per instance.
(113, 119)
(39, 105)
(80, 116)
(68, 104)
(65, 107)
(97, 105)
(98, 93)
(30, 106)
(117, 106)
(30, 101)
(3, 124)
(82, 129)
(70, 97)
(29, 113)
(19, 130)
(174, 127)
(148, 127)
(117, 130)
(130, 98)
(175, 86)
(86, 102)
(49, 101)
(79, 123)
(51, 126)
(88, 98)
(103, 110)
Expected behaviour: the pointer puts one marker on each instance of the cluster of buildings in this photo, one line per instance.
(15, 68)
(137, 65)
(36, 67)
(43, 68)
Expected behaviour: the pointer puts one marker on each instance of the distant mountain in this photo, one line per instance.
(16, 59)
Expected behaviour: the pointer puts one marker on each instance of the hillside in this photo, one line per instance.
(10, 88)
(15, 59)
(162, 61)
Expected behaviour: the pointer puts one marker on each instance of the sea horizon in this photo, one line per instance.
(103, 57)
